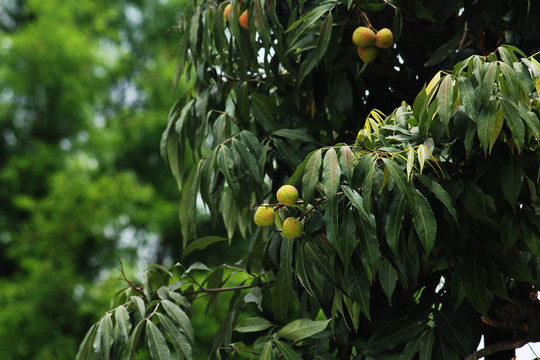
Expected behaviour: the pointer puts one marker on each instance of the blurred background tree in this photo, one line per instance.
(86, 89)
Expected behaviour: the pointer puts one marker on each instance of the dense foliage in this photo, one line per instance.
(420, 216)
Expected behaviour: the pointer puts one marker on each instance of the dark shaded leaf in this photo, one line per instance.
(302, 328)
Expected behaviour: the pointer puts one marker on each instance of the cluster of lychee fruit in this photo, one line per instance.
(287, 195)
(369, 42)
(242, 19)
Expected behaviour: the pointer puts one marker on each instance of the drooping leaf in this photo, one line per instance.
(486, 124)
(266, 353)
(156, 342)
(287, 352)
(475, 284)
(394, 333)
(424, 222)
(357, 286)
(178, 340)
(394, 221)
(123, 322)
(511, 179)
(253, 324)
(331, 176)
(468, 97)
(311, 176)
(302, 328)
(513, 120)
(180, 318)
(201, 244)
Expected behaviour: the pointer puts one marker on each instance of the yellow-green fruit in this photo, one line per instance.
(384, 39)
(292, 228)
(227, 11)
(367, 54)
(243, 20)
(363, 36)
(287, 195)
(264, 215)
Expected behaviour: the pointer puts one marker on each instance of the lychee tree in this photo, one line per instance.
(416, 225)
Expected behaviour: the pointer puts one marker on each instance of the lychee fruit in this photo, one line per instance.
(287, 195)
(363, 36)
(227, 11)
(243, 20)
(292, 228)
(367, 54)
(384, 39)
(264, 215)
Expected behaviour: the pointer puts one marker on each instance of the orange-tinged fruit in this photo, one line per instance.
(227, 11)
(292, 228)
(367, 54)
(243, 20)
(363, 36)
(384, 39)
(287, 195)
(264, 215)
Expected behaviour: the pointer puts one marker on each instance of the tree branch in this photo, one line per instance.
(497, 347)
(232, 288)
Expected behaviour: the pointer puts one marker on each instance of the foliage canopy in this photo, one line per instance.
(418, 219)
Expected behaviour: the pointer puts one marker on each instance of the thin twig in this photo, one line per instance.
(232, 288)
(498, 347)
(132, 285)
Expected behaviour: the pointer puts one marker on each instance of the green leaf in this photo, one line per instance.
(369, 245)
(226, 163)
(387, 277)
(121, 316)
(331, 176)
(281, 296)
(319, 260)
(295, 134)
(393, 222)
(513, 120)
(266, 353)
(512, 266)
(253, 324)
(400, 179)
(530, 118)
(424, 222)
(489, 81)
(445, 100)
(511, 80)
(510, 229)
(324, 36)
(86, 348)
(357, 286)
(426, 345)
(201, 243)
(133, 340)
(347, 240)
(287, 352)
(475, 284)
(104, 337)
(396, 332)
(302, 328)
(468, 97)
(346, 162)
(357, 202)
(180, 318)
(156, 342)
(311, 176)
(511, 179)
(441, 194)
(187, 209)
(250, 163)
(178, 340)
(486, 124)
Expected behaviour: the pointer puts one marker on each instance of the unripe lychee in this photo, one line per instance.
(264, 215)
(227, 11)
(292, 228)
(287, 195)
(243, 20)
(384, 39)
(363, 36)
(367, 54)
